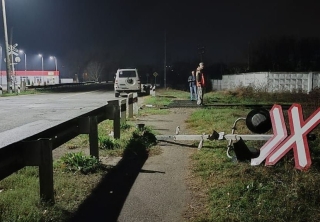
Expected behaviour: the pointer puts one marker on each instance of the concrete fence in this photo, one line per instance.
(270, 81)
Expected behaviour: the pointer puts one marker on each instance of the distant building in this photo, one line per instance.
(36, 78)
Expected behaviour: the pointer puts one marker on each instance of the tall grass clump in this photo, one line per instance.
(79, 162)
(140, 142)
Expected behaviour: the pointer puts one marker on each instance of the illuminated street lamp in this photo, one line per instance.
(40, 55)
(55, 61)
(25, 59)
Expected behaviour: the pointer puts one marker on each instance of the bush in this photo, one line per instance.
(108, 143)
(78, 162)
(140, 142)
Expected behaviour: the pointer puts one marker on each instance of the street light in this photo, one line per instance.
(0, 67)
(55, 61)
(25, 59)
(41, 62)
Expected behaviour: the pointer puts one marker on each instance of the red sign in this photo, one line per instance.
(280, 144)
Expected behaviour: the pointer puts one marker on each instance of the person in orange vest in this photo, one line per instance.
(200, 83)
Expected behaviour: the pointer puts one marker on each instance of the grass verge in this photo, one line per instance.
(240, 192)
(235, 191)
(76, 175)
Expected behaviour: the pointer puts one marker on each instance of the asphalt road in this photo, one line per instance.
(19, 115)
(16, 111)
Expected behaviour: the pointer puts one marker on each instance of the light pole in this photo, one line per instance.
(25, 59)
(55, 61)
(6, 45)
(0, 67)
(165, 60)
(40, 55)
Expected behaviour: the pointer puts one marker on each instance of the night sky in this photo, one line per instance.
(134, 30)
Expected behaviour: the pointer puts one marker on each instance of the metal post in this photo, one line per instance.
(0, 68)
(115, 116)
(56, 62)
(123, 110)
(165, 60)
(93, 137)
(25, 62)
(116, 121)
(130, 105)
(6, 45)
(89, 125)
(13, 71)
(46, 171)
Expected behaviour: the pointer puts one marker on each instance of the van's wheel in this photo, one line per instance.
(116, 94)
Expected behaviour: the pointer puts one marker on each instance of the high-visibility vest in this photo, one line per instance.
(201, 81)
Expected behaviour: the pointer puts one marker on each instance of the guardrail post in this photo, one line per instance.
(135, 104)
(123, 109)
(0, 90)
(89, 125)
(153, 91)
(93, 137)
(39, 153)
(115, 117)
(130, 105)
(46, 170)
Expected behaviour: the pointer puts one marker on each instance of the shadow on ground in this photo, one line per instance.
(107, 199)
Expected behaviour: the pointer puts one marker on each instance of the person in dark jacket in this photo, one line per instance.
(192, 86)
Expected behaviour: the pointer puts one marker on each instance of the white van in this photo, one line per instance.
(126, 81)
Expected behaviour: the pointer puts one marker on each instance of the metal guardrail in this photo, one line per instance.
(36, 150)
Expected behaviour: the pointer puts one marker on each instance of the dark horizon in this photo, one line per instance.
(136, 33)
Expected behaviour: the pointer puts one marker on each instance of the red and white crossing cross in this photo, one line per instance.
(298, 138)
(280, 133)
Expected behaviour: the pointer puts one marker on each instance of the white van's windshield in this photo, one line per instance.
(127, 74)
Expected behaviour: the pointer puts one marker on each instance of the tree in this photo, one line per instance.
(286, 53)
(94, 70)
(74, 63)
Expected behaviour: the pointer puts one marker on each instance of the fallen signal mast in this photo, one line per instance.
(260, 121)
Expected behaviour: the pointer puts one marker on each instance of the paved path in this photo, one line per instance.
(160, 192)
(144, 189)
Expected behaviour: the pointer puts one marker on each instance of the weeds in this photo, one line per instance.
(78, 162)
(109, 143)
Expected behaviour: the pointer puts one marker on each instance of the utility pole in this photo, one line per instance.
(12, 62)
(165, 60)
(248, 68)
(201, 52)
(6, 46)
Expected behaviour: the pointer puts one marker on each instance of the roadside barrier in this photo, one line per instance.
(38, 139)
(132, 104)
